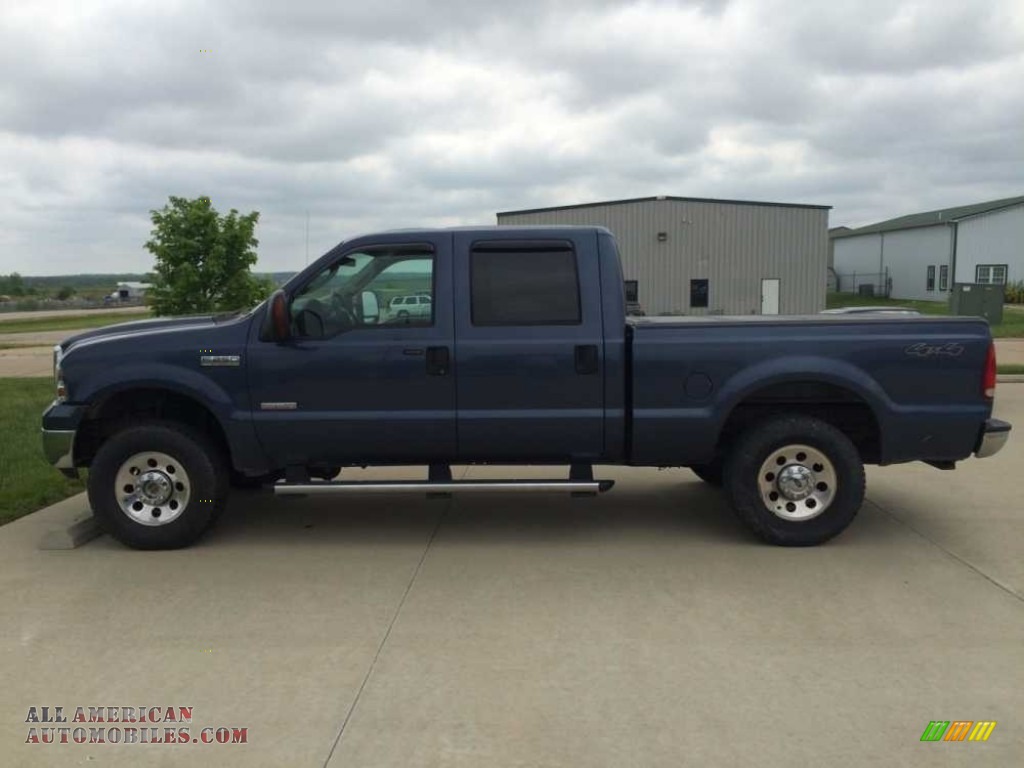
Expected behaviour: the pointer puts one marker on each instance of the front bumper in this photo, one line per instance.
(58, 446)
(60, 422)
(993, 437)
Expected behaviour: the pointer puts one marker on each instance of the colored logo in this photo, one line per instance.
(958, 730)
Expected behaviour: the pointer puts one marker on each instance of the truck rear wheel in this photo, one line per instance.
(795, 481)
(157, 485)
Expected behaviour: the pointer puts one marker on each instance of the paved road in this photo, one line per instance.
(46, 313)
(642, 628)
(35, 338)
(1010, 351)
(26, 363)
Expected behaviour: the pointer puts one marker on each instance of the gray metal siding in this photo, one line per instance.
(993, 238)
(732, 246)
(909, 253)
(901, 256)
(857, 256)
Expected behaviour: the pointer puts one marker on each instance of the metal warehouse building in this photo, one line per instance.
(695, 256)
(922, 255)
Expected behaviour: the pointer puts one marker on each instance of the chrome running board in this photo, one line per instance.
(461, 486)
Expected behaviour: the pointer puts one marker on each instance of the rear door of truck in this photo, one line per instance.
(528, 346)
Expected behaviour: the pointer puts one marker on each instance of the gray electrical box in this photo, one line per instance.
(978, 300)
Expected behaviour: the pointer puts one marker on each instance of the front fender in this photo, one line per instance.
(101, 386)
(222, 403)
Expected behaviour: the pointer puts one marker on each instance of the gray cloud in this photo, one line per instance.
(393, 114)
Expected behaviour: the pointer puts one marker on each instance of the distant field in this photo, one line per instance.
(1012, 326)
(97, 320)
(27, 481)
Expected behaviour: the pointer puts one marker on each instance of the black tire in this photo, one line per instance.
(711, 473)
(325, 473)
(775, 437)
(205, 473)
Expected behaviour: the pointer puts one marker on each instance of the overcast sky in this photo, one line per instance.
(393, 113)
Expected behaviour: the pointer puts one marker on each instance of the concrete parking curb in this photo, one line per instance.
(79, 531)
(1010, 378)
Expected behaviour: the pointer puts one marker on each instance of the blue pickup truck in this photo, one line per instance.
(518, 352)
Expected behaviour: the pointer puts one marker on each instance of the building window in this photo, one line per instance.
(929, 284)
(632, 291)
(698, 293)
(944, 277)
(990, 274)
(524, 284)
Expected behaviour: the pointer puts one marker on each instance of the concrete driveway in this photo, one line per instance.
(642, 628)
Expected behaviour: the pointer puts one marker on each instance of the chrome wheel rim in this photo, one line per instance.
(152, 488)
(797, 482)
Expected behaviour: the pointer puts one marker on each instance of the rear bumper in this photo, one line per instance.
(993, 437)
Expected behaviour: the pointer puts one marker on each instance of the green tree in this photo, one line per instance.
(12, 285)
(203, 259)
(65, 293)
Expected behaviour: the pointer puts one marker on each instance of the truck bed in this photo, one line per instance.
(916, 377)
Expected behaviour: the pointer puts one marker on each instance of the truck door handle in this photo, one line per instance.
(586, 359)
(438, 361)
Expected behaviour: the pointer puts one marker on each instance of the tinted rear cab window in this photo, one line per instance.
(524, 285)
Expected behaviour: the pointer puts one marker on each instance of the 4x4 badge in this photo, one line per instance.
(921, 349)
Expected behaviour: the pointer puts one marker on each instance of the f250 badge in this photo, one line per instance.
(950, 349)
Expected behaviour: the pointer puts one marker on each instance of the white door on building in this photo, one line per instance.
(770, 296)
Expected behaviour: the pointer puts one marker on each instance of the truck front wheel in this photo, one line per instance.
(795, 481)
(157, 485)
(710, 473)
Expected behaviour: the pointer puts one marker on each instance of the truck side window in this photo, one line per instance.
(364, 289)
(517, 284)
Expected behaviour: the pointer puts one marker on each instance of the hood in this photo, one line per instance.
(142, 327)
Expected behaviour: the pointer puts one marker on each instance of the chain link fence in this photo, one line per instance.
(864, 283)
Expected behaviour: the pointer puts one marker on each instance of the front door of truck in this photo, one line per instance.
(367, 375)
(529, 347)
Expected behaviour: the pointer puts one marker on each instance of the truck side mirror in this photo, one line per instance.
(277, 324)
(371, 308)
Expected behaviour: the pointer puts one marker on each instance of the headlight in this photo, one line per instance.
(58, 377)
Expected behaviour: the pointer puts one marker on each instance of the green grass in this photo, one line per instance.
(100, 319)
(27, 481)
(1012, 326)
(1014, 368)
